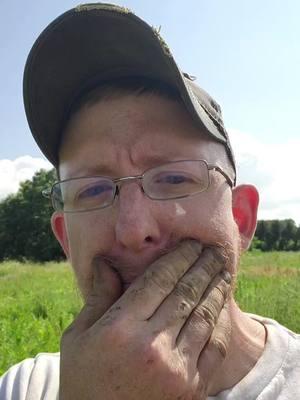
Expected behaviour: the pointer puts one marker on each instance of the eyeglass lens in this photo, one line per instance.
(169, 181)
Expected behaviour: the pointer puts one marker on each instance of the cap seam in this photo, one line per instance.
(211, 116)
(103, 6)
(208, 112)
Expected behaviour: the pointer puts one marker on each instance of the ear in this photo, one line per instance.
(245, 201)
(59, 229)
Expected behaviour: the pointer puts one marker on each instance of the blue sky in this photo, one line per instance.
(244, 53)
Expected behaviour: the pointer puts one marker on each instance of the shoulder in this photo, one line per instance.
(276, 373)
(33, 378)
(283, 352)
(275, 326)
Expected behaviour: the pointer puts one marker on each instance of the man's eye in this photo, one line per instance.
(94, 191)
(173, 179)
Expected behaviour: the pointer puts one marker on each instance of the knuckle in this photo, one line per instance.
(181, 311)
(221, 291)
(206, 314)
(217, 297)
(214, 259)
(150, 354)
(116, 335)
(173, 376)
(187, 290)
(189, 251)
(161, 277)
(166, 271)
(219, 255)
(226, 276)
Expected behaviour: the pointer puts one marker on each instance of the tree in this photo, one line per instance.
(25, 231)
(277, 235)
(297, 240)
(260, 235)
(288, 235)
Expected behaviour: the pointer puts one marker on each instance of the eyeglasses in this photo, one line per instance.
(173, 180)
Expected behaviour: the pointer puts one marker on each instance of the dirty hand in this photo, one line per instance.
(164, 338)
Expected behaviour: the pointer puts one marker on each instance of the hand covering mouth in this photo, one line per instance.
(130, 269)
(124, 272)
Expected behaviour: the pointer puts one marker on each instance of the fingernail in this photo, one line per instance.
(226, 276)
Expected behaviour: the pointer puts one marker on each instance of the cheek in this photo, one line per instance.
(210, 222)
(196, 218)
(88, 235)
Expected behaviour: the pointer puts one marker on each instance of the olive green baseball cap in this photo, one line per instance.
(95, 42)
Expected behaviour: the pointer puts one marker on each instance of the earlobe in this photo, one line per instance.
(60, 232)
(245, 201)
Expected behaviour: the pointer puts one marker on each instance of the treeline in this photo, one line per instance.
(277, 235)
(25, 232)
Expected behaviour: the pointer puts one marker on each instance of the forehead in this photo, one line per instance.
(138, 130)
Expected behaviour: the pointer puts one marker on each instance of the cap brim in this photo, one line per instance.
(92, 43)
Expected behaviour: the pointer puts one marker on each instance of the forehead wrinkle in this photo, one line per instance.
(159, 148)
(136, 134)
(148, 154)
(143, 154)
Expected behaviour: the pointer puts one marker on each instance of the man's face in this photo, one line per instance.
(124, 136)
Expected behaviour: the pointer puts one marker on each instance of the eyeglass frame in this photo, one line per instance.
(210, 167)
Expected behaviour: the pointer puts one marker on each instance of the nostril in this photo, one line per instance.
(148, 239)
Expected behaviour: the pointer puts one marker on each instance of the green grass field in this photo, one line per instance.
(38, 301)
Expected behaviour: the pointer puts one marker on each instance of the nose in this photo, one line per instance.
(136, 226)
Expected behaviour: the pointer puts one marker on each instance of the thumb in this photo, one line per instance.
(105, 291)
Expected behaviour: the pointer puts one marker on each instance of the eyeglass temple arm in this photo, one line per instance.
(226, 176)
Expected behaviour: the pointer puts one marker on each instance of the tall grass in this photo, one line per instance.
(37, 301)
(269, 285)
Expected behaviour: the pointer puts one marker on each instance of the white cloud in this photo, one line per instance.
(274, 170)
(13, 172)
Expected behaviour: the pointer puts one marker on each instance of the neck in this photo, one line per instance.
(247, 343)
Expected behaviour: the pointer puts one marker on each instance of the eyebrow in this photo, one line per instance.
(105, 170)
(98, 169)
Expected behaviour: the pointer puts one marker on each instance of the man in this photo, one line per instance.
(149, 216)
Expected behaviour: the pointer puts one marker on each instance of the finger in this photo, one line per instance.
(187, 293)
(148, 291)
(105, 292)
(215, 351)
(202, 321)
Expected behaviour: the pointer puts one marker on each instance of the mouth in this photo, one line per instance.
(129, 269)
(125, 283)
(118, 268)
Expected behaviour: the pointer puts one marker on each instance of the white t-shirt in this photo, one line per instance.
(276, 375)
